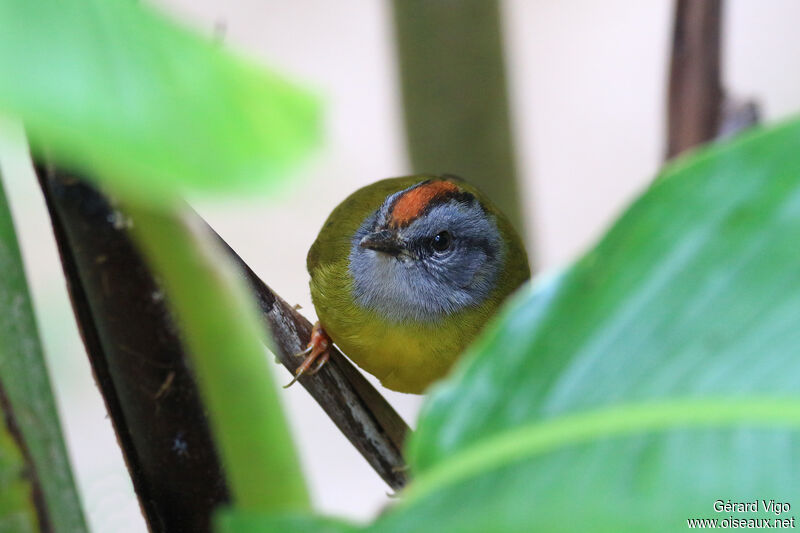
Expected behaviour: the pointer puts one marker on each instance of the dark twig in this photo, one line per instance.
(138, 360)
(357, 409)
(698, 108)
(695, 86)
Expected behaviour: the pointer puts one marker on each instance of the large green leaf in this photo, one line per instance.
(230, 521)
(34, 469)
(225, 340)
(112, 87)
(656, 375)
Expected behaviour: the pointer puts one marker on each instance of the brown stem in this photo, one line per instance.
(699, 110)
(141, 369)
(357, 409)
(695, 86)
(137, 359)
(455, 101)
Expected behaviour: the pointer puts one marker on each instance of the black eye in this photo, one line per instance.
(441, 241)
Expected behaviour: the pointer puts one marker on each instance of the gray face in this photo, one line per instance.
(444, 261)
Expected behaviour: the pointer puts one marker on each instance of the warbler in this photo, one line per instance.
(404, 274)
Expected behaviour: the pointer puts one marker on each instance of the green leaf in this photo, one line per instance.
(33, 458)
(112, 87)
(656, 375)
(225, 340)
(231, 521)
(17, 511)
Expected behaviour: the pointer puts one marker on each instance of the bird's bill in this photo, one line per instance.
(383, 241)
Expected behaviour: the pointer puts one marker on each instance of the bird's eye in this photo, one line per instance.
(441, 241)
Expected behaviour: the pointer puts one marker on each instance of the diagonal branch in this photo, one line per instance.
(138, 360)
(357, 409)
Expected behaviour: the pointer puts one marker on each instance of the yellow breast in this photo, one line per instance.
(404, 357)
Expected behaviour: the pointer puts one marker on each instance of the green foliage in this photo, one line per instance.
(152, 110)
(653, 377)
(230, 362)
(111, 87)
(17, 513)
(243, 522)
(656, 375)
(26, 398)
(662, 364)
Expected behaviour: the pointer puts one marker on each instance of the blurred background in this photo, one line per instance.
(587, 92)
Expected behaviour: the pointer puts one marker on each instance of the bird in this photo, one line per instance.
(405, 273)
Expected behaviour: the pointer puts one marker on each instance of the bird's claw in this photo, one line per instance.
(317, 351)
(306, 351)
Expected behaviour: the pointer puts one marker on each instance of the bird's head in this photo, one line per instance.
(427, 251)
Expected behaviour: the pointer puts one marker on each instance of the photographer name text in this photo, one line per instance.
(755, 506)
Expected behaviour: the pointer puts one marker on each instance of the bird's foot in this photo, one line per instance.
(316, 352)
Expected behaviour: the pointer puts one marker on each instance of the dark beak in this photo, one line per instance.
(382, 241)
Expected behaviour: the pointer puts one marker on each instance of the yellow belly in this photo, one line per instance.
(405, 359)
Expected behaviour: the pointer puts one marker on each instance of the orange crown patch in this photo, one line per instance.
(413, 203)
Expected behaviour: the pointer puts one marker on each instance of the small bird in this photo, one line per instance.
(404, 274)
